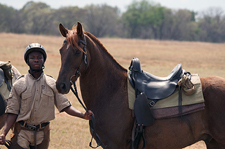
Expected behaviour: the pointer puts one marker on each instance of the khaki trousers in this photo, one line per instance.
(44, 145)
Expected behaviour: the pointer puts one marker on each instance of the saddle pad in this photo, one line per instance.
(174, 111)
(172, 101)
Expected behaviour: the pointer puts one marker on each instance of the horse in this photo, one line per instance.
(103, 85)
(5, 87)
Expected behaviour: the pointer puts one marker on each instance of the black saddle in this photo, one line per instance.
(153, 86)
(148, 86)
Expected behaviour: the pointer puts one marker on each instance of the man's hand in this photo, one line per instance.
(88, 114)
(2, 139)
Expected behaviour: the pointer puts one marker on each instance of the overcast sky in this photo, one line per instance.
(195, 5)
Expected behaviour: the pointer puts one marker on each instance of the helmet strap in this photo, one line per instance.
(36, 70)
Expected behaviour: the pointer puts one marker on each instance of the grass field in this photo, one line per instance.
(157, 57)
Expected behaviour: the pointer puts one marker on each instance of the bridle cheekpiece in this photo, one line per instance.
(84, 59)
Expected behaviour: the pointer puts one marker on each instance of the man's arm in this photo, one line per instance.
(74, 112)
(11, 118)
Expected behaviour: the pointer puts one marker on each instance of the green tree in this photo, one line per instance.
(184, 25)
(212, 25)
(9, 19)
(36, 18)
(146, 19)
(102, 20)
(69, 16)
(143, 19)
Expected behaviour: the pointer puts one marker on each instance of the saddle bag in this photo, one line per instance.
(186, 85)
(6, 67)
(6, 75)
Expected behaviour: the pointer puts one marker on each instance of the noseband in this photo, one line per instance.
(77, 74)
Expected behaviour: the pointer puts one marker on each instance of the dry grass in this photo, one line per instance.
(157, 57)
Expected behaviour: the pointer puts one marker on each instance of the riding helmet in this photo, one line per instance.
(34, 47)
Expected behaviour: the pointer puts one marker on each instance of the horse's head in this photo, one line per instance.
(73, 57)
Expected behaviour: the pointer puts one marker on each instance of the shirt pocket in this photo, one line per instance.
(25, 102)
(47, 98)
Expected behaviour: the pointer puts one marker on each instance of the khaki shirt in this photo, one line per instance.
(33, 99)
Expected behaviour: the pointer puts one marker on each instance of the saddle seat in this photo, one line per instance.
(153, 86)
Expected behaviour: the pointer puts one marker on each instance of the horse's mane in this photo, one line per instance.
(71, 38)
(97, 42)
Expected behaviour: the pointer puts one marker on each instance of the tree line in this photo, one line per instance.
(143, 19)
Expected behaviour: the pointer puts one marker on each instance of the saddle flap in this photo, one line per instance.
(142, 111)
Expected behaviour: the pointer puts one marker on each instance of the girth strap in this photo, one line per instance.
(137, 134)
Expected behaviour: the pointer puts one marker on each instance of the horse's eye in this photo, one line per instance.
(64, 41)
(77, 52)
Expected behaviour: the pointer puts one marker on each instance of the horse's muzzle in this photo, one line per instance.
(62, 88)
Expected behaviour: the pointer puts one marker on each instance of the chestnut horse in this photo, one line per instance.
(103, 84)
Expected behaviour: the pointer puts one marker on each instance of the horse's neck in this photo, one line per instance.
(100, 86)
(102, 71)
(103, 75)
(102, 64)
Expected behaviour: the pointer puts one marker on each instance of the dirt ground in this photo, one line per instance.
(157, 57)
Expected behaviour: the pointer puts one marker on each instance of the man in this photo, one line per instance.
(31, 104)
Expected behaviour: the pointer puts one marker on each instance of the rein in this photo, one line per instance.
(74, 90)
(8, 144)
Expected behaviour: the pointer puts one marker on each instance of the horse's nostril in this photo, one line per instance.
(63, 86)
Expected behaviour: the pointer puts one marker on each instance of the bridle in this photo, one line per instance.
(74, 90)
(84, 59)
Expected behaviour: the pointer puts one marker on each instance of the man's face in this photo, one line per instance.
(36, 60)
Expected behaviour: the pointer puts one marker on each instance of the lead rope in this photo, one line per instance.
(91, 122)
(8, 143)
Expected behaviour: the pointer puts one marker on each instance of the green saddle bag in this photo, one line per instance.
(6, 67)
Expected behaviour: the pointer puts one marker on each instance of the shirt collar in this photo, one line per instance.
(31, 76)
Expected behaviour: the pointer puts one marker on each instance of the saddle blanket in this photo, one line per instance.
(168, 107)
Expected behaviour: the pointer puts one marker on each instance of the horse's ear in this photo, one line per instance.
(63, 30)
(80, 30)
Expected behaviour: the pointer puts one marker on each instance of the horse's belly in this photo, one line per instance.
(175, 132)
